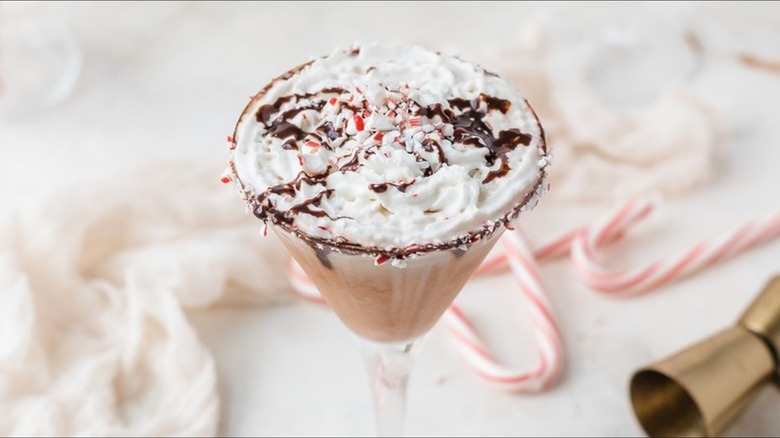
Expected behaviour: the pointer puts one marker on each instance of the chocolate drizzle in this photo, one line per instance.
(431, 145)
(290, 145)
(437, 109)
(305, 206)
(330, 131)
(351, 165)
(471, 129)
(382, 187)
(333, 90)
(285, 129)
(458, 251)
(506, 142)
(322, 254)
(289, 114)
(491, 102)
(263, 209)
(265, 112)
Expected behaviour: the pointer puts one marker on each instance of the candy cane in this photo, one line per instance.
(548, 337)
(473, 349)
(589, 240)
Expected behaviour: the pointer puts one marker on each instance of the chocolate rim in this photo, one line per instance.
(344, 246)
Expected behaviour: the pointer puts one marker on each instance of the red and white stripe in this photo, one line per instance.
(549, 345)
(590, 240)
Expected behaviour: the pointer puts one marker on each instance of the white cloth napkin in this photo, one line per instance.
(93, 337)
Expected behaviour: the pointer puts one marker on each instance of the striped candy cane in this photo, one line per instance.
(590, 240)
(548, 337)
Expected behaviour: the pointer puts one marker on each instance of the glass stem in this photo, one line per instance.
(388, 368)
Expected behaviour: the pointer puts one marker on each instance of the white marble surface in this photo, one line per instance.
(166, 81)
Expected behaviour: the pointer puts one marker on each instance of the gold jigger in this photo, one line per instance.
(700, 390)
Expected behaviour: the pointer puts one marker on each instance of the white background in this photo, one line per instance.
(166, 81)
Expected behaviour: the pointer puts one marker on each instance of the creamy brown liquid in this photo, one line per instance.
(385, 303)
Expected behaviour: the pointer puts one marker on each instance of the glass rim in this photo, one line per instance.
(342, 245)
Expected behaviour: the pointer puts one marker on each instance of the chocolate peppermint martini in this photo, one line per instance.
(389, 173)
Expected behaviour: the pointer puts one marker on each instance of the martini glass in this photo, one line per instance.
(388, 296)
(389, 308)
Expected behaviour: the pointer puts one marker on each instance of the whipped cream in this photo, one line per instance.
(389, 148)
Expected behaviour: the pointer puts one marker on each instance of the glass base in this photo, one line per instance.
(388, 366)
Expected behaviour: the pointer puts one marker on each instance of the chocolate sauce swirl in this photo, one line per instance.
(467, 116)
(382, 187)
